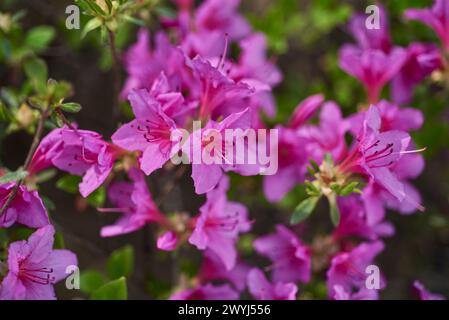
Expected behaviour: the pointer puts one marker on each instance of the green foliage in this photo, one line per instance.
(304, 209)
(13, 176)
(69, 183)
(91, 280)
(121, 262)
(113, 290)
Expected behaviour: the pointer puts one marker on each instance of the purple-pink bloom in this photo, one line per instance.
(261, 289)
(212, 268)
(374, 38)
(422, 60)
(363, 294)
(436, 18)
(290, 257)
(374, 68)
(134, 201)
(348, 269)
(26, 208)
(424, 294)
(149, 133)
(167, 241)
(305, 110)
(79, 152)
(207, 292)
(354, 221)
(375, 152)
(218, 226)
(34, 267)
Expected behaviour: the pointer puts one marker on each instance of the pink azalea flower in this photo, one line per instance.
(354, 221)
(376, 152)
(421, 61)
(261, 289)
(149, 133)
(363, 294)
(212, 268)
(79, 152)
(328, 136)
(167, 241)
(424, 294)
(291, 258)
(34, 267)
(145, 64)
(305, 110)
(374, 68)
(376, 38)
(347, 269)
(292, 163)
(26, 208)
(392, 118)
(213, 15)
(436, 18)
(220, 95)
(218, 225)
(207, 292)
(134, 201)
(208, 169)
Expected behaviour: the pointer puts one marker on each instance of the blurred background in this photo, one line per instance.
(304, 38)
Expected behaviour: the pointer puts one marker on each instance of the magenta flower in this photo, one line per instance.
(328, 136)
(436, 18)
(210, 157)
(34, 267)
(392, 118)
(376, 152)
(292, 163)
(149, 133)
(363, 294)
(348, 268)
(376, 38)
(424, 294)
(354, 221)
(305, 110)
(261, 289)
(220, 95)
(79, 152)
(291, 258)
(218, 225)
(207, 292)
(26, 208)
(421, 61)
(167, 241)
(212, 268)
(374, 68)
(134, 201)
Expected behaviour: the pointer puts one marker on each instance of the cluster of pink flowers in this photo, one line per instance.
(184, 73)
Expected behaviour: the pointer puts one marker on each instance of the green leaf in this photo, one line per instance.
(71, 107)
(59, 241)
(97, 198)
(334, 211)
(91, 25)
(36, 71)
(304, 210)
(13, 176)
(121, 262)
(69, 183)
(348, 189)
(38, 38)
(91, 280)
(114, 290)
(134, 20)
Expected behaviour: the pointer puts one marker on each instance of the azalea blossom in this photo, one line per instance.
(436, 18)
(218, 226)
(290, 257)
(135, 203)
(424, 294)
(207, 292)
(261, 289)
(34, 267)
(348, 269)
(26, 208)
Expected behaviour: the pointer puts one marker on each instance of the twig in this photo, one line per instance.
(31, 151)
(116, 70)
